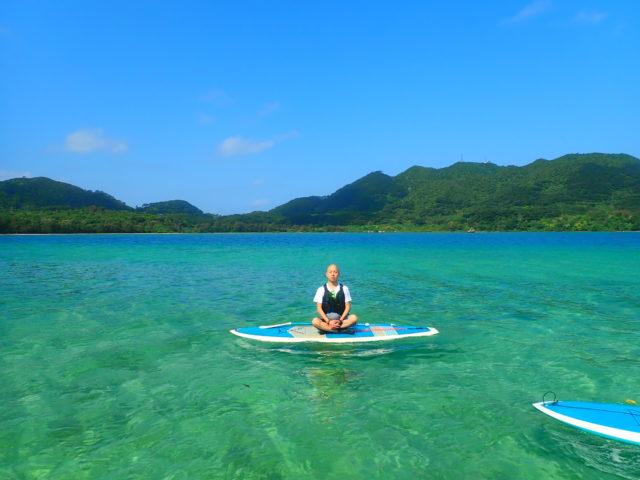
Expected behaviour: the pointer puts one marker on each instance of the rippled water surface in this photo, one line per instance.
(116, 361)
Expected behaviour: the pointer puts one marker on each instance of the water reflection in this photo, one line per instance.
(355, 350)
(328, 381)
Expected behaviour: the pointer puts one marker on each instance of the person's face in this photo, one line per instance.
(333, 273)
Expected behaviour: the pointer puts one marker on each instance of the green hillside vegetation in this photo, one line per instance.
(580, 192)
(574, 192)
(99, 220)
(170, 207)
(352, 204)
(41, 192)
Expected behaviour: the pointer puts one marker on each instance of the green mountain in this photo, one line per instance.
(42, 192)
(479, 194)
(580, 192)
(170, 207)
(352, 203)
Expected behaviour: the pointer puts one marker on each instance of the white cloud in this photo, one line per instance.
(91, 140)
(269, 108)
(530, 11)
(217, 96)
(246, 146)
(8, 174)
(586, 16)
(243, 146)
(260, 202)
(287, 136)
(204, 119)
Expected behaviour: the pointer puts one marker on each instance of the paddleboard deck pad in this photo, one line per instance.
(619, 422)
(306, 332)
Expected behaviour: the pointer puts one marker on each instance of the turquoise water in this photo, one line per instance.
(116, 361)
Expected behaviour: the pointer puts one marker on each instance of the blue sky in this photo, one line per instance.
(238, 106)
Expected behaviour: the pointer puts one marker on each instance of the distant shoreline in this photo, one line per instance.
(301, 233)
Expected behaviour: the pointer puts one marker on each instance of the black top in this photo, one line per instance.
(333, 303)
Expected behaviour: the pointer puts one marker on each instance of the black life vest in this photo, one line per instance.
(333, 304)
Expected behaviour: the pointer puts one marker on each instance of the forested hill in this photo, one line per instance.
(584, 192)
(42, 192)
(481, 195)
(172, 206)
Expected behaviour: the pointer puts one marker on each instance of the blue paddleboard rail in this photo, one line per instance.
(610, 420)
(306, 332)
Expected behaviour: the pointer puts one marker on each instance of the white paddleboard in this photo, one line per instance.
(619, 422)
(306, 332)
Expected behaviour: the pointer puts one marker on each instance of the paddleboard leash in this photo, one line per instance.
(552, 402)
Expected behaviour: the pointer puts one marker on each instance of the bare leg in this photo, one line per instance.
(350, 320)
(322, 325)
(325, 327)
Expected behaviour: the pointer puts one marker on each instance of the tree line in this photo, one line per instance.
(99, 220)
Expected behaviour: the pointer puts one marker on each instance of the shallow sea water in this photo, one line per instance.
(116, 361)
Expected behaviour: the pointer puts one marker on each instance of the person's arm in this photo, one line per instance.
(333, 324)
(347, 309)
(323, 316)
